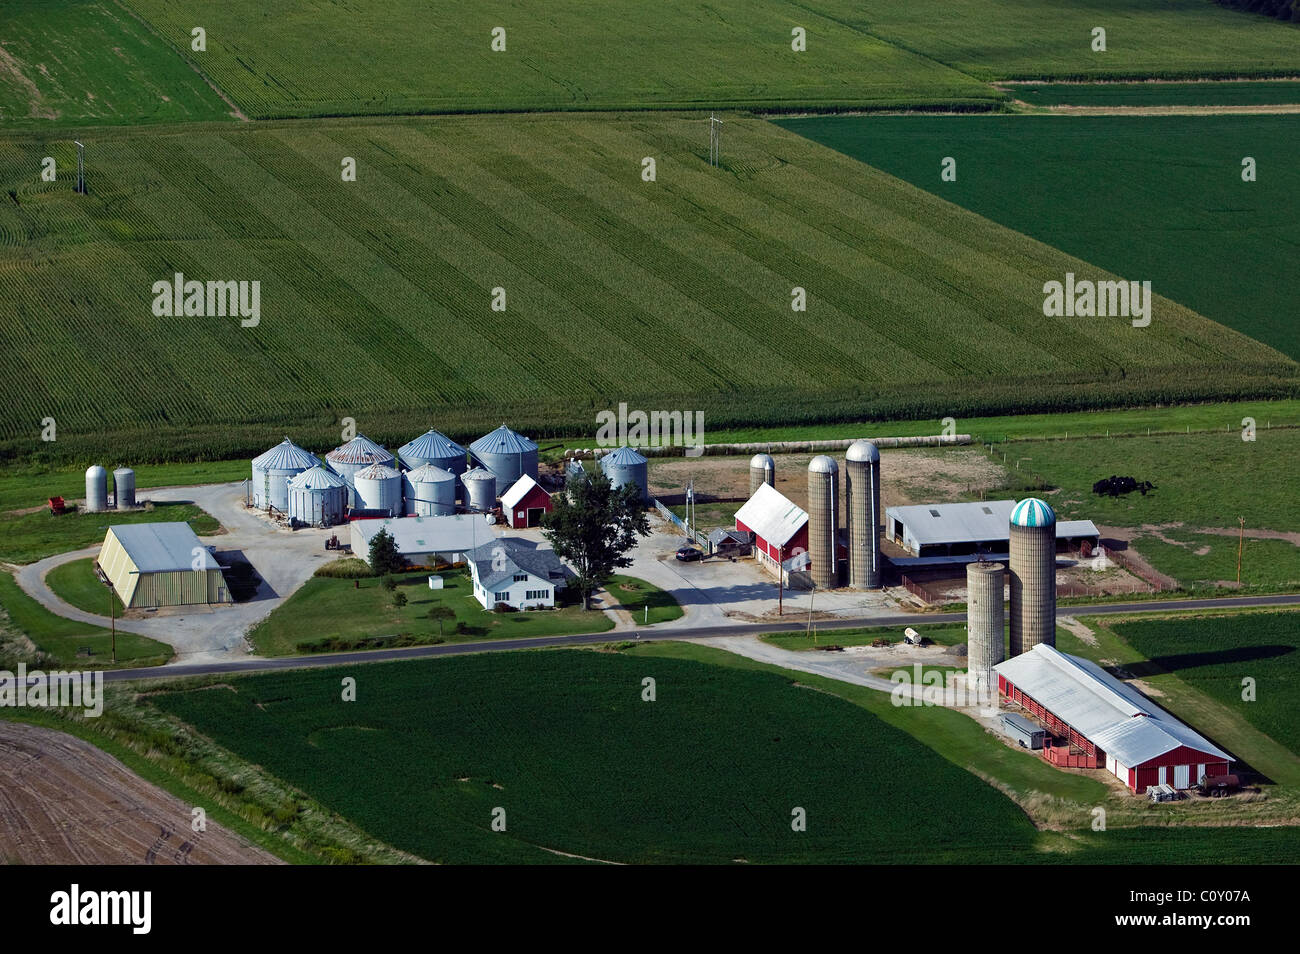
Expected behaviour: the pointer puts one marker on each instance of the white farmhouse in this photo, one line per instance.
(514, 573)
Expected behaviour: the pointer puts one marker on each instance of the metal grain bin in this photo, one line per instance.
(124, 488)
(436, 449)
(318, 497)
(480, 489)
(356, 455)
(506, 454)
(1032, 572)
(273, 470)
(823, 521)
(96, 489)
(627, 466)
(378, 489)
(429, 491)
(762, 470)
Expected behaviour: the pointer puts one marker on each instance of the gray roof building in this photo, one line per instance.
(498, 562)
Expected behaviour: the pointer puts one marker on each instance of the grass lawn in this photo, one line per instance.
(1216, 654)
(336, 609)
(62, 639)
(1153, 198)
(634, 595)
(31, 485)
(1202, 480)
(708, 772)
(1208, 561)
(28, 537)
(1257, 93)
(721, 513)
(76, 583)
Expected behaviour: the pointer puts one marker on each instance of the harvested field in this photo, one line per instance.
(63, 801)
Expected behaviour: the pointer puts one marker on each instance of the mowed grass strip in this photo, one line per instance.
(70, 62)
(1255, 93)
(1153, 198)
(318, 58)
(375, 295)
(709, 772)
(31, 536)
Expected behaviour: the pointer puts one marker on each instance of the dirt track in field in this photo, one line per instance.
(63, 801)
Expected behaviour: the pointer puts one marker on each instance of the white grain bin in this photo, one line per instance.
(481, 489)
(318, 497)
(429, 491)
(378, 489)
(354, 456)
(124, 488)
(273, 470)
(96, 489)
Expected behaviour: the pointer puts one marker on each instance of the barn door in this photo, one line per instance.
(1182, 776)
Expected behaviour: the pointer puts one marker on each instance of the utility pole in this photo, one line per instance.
(1241, 539)
(810, 631)
(780, 581)
(81, 168)
(715, 140)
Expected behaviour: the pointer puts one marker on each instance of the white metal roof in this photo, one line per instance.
(771, 515)
(985, 520)
(518, 490)
(1109, 712)
(442, 534)
(162, 547)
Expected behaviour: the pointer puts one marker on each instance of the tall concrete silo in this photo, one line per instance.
(1033, 575)
(507, 454)
(273, 470)
(480, 489)
(762, 470)
(124, 488)
(985, 626)
(823, 520)
(96, 489)
(627, 465)
(429, 491)
(862, 516)
(378, 488)
(357, 454)
(318, 497)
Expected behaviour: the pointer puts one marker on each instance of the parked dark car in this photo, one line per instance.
(688, 554)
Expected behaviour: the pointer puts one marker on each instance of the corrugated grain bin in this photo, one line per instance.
(318, 497)
(356, 455)
(378, 489)
(437, 449)
(507, 454)
(429, 491)
(273, 470)
(124, 488)
(627, 465)
(96, 489)
(480, 488)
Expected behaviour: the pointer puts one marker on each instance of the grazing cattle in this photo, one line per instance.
(1113, 486)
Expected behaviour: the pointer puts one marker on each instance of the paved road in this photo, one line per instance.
(231, 667)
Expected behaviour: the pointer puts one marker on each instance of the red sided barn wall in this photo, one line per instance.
(774, 554)
(536, 498)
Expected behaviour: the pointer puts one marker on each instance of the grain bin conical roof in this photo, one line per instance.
(359, 450)
(430, 445)
(318, 478)
(503, 441)
(285, 456)
(623, 457)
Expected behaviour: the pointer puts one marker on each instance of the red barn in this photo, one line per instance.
(1094, 719)
(524, 503)
(780, 528)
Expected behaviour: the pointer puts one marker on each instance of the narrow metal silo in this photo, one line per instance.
(96, 488)
(1032, 575)
(862, 517)
(627, 465)
(480, 489)
(507, 454)
(124, 488)
(378, 488)
(318, 497)
(762, 470)
(356, 455)
(985, 625)
(429, 491)
(273, 470)
(823, 521)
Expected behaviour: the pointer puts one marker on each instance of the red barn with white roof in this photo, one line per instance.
(524, 503)
(780, 528)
